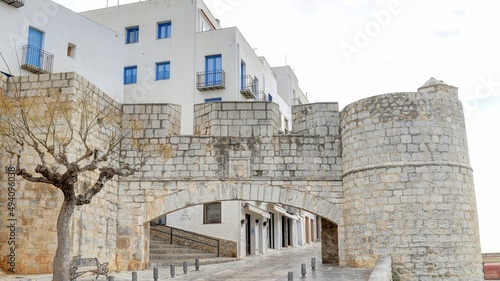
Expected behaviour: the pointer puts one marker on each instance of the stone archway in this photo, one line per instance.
(133, 252)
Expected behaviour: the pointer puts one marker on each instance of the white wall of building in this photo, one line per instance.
(191, 219)
(98, 53)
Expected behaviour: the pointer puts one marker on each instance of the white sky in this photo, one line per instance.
(404, 43)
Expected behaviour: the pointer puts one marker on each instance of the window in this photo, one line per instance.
(132, 34)
(270, 97)
(212, 213)
(243, 74)
(213, 67)
(130, 75)
(164, 30)
(213, 100)
(34, 52)
(71, 50)
(162, 70)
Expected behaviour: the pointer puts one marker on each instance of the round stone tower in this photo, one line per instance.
(408, 185)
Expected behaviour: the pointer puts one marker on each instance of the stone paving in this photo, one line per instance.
(274, 265)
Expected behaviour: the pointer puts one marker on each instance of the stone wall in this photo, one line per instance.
(37, 205)
(408, 186)
(227, 248)
(321, 119)
(237, 119)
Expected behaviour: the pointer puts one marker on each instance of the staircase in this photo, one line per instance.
(161, 253)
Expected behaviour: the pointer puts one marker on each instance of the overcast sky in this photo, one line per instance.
(346, 50)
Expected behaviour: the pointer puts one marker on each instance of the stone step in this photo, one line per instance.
(179, 262)
(166, 251)
(182, 256)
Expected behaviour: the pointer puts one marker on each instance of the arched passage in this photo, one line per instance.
(183, 194)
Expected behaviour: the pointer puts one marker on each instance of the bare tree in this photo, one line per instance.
(72, 136)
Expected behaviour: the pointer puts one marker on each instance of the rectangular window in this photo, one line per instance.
(270, 98)
(213, 100)
(213, 68)
(212, 213)
(34, 52)
(162, 70)
(132, 34)
(164, 30)
(130, 75)
(243, 74)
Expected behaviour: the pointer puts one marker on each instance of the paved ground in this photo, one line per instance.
(272, 266)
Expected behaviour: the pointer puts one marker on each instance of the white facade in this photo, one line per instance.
(256, 227)
(195, 35)
(76, 43)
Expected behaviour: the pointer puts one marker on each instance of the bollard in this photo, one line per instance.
(155, 274)
(313, 263)
(197, 264)
(172, 271)
(134, 276)
(303, 270)
(290, 275)
(111, 278)
(185, 267)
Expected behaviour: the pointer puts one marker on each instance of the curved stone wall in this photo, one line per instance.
(408, 186)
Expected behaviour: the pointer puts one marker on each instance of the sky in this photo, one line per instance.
(346, 50)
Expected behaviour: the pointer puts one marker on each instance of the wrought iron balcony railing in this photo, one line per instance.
(36, 60)
(15, 3)
(248, 87)
(262, 96)
(211, 80)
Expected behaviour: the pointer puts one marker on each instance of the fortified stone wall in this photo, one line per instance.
(408, 185)
(237, 119)
(37, 205)
(321, 119)
(257, 167)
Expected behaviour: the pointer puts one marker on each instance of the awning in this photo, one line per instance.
(284, 212)
(258, 210)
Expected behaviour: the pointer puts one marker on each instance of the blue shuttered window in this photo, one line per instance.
(130, 75)
(162, 70)
(132, 34)
(164, 30)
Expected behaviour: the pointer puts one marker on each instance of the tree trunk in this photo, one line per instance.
(63, 253)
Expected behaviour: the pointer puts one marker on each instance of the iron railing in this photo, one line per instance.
(180, 232)
(248, 86)
(37, 60)
(15, 3)
(262, 96)
(211, 80)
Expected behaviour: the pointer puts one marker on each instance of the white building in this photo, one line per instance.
(164, 51)
(255, 226)
(176, 52)
(39, 37)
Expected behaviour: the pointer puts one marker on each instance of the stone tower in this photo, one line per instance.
(408, 185)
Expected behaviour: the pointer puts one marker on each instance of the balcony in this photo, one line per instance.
(248, 86)
(211, 80)
(262, 96)
(15, 3)
(36, 60)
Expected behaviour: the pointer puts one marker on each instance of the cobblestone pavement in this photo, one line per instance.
(274, 265)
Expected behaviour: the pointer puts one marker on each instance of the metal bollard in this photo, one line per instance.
(155, 274)
(111, 278)
(303, 270)
(197, 264)
(185, 267)
(290, 275)
(134, 276)
(172, 271)
(313, 263)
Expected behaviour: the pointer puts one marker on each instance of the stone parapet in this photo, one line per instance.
(316, 119)
(236, 119)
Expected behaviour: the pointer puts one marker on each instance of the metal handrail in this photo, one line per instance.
(210, 80)
(37, 60)
(172, 235)
(15, 3)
